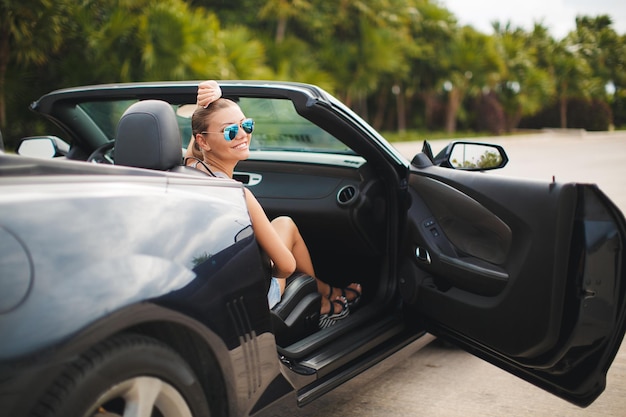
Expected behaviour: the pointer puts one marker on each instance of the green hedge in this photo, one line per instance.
(591, 115)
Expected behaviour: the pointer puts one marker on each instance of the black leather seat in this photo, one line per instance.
(297, 314)
(148, 137)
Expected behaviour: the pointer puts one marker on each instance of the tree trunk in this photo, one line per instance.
(430, 100)
(381, 106)
(452, 109)
(281, 29)
(363, 108)
(4, 63)
(563, 112)
(401, 108)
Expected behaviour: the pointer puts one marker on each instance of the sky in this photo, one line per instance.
(557, 15)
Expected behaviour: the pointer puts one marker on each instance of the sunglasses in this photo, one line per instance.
(230, 131)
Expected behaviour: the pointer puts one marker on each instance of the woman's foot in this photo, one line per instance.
(352, 293)
(332, 311)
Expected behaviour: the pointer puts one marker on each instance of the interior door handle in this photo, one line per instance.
(248, 178)
(422, 255)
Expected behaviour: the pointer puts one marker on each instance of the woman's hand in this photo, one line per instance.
(208, 92)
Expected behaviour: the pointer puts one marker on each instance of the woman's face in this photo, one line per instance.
(237, 149)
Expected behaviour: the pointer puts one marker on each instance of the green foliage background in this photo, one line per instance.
(401, 64)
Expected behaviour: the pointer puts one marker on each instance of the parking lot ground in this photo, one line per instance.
(442, 381)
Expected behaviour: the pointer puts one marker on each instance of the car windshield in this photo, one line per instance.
(278, 127)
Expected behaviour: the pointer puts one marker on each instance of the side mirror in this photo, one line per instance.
(472, 156)
(43, 147)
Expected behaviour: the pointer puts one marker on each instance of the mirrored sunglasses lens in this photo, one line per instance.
(230, 132)
(248, 125)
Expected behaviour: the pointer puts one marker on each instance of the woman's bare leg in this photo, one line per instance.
(291, 237)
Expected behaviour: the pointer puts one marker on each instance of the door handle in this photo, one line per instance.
(247, 178)
(422, 255)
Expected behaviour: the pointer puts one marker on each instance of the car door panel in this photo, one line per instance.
(471, 243)
(344, 203)
(523, 273)
(470, 227)
(475, 288)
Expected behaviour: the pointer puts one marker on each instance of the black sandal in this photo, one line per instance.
(331, 318)
(351, 303)
(356, 300)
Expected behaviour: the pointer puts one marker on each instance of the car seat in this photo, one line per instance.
(148, 136)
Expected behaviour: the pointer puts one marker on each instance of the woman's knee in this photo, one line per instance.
(284, 223)
(287, 230)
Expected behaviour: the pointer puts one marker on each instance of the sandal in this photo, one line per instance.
(331, 318)
(356, 300)
(352, 303)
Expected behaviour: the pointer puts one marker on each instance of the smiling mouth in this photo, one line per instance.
(242, 145)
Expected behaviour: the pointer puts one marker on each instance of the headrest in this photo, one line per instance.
(148, 136)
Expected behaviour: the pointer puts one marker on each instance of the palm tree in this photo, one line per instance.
(363, 44)
(167, 40)
(282, 11)
(179, 43)
(303, 66)
(524, 87)
(472, 65)
(30, 32)
(110, 43)
(605, 51)
(573, 76)
(431, 34)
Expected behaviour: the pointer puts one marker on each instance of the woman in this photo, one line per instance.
(221, 138)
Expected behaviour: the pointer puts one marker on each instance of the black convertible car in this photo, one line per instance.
(133, 286)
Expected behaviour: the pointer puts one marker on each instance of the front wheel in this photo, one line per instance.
(130, 376)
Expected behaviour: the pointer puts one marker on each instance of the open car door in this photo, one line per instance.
(526, 275)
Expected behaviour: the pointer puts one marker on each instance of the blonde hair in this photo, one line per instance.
(200, 121)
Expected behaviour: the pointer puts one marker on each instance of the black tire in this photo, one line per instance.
(121, 373)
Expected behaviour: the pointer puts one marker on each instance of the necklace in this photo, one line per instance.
(211, 173)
